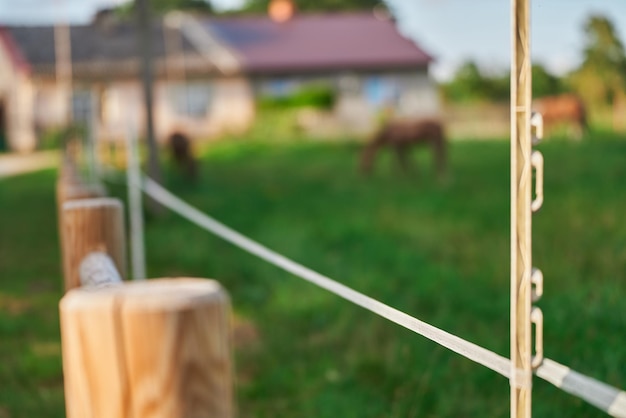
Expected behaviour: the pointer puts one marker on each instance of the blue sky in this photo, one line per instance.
(457, 30)
(452, 30)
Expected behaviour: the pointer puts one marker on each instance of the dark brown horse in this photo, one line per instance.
(180, 148)
(402, 136)
(566, 109)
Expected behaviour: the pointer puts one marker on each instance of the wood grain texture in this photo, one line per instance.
(90, 225)
(151, 349)
(69, 187)
(521, 215)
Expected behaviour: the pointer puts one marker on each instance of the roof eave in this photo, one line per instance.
(13, 51)
(356, 67)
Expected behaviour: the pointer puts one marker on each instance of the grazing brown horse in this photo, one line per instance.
(404, 135)
(564, 109)
(180, 148)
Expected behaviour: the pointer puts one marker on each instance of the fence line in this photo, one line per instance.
(605, 397)
(105, 342)
(599, 394)
(467, 349)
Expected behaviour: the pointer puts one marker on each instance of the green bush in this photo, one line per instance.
(317, 96)
(51, 139)
(56, 138)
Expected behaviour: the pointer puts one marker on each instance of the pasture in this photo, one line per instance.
(438, 252)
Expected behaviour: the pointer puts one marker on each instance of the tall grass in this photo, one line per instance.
(437, 251)
(31, 383)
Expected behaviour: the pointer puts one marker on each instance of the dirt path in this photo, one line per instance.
(15, 164)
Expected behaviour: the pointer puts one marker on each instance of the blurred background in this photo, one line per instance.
(275, 102)
(327, 70)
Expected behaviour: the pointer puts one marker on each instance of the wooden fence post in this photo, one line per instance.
(154, 348)
(89, 225)
(71, 186)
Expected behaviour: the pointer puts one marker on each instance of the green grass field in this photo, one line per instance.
(438, 252)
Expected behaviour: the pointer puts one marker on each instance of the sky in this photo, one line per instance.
(453, 31)
(457, 30)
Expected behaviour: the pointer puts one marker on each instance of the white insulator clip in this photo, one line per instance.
(536, 126)
(536, 278)
(536, 160)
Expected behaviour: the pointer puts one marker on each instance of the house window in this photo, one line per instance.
(381, 91)
(279, 87)
(190, 99)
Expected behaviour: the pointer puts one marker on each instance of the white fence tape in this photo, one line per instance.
(607, 398)
(601, 395)
(472, 351)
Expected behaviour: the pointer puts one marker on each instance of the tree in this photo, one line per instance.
(544, 83)
(467, 84)
(601, 78)
(470, 85)
(260, 6)
(164, 6)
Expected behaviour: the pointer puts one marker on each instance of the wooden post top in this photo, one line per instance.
(89, 225)
(92, 203)
(163, 294)
(153, 348)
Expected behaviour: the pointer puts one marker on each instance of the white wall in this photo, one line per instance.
(16, 92)
(204, 108)
(362, 96)
(50, 105)
(233, 107)
(199, 108)
(20, 120)
(121, 110)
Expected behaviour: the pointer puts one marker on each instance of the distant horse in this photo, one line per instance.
(564, 109)
(402, 136)
(180, 149)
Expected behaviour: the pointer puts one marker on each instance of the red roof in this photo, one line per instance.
(13, 51)
(321, 42)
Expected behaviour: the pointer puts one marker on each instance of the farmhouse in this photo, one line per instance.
(208, 72)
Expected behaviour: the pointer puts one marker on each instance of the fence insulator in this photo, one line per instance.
(98, 270)
(153, 348)
(90, 225)
(536, 125)
(536, 317)
(536, 278)
(537, 163)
